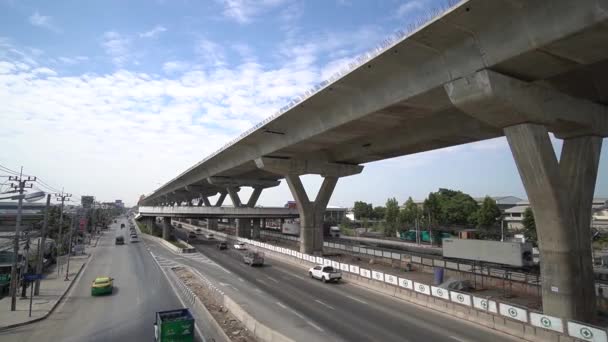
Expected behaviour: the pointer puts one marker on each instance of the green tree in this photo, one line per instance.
(530, 226)
(362, 210)
(488, 214)
(391, 216)
(408, 215)
(431, 206)
(449, 207)
(379, 213)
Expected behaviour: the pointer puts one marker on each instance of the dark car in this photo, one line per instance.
(191, 235)
(222, 245)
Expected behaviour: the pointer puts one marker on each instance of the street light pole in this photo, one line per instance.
(21, 185)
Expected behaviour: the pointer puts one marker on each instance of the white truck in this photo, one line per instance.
(325, 273)
(515, 254)
(291, 228)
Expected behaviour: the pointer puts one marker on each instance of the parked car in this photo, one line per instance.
(240, 246)
(222, 245)
(325, 273)
(102, 285)
(254, 258)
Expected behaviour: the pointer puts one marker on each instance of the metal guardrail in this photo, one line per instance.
(475, 268)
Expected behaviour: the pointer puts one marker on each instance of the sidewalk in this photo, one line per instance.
(52, 290)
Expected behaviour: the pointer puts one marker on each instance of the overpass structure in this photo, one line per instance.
(483, 69)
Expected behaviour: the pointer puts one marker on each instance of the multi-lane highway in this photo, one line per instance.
(126, 315)
(342, 311)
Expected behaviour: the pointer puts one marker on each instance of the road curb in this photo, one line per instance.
(16, 325)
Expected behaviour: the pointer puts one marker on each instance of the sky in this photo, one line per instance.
(114, 98)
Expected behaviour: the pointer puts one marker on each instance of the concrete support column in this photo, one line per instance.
(255, 231)
(311, 213)
(243, 228)
(560, 195)
(234, 196)
(220, 200)
(578, 165)
(255, 195)
(166, 227)
(149, 222)
(212, 224)
(263, 223)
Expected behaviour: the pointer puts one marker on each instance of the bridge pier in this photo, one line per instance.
(166, 227)
(255, 229)
(311, 212)
(212, 224)
(243, 228)
(560, 192)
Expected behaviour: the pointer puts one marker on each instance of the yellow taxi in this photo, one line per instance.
(102, 285)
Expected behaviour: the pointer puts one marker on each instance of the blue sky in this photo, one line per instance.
(113, 98)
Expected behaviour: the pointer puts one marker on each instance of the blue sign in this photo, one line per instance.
(32, 277)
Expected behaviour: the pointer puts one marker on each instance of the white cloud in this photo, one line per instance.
(73, 60)
(175, 66)
(244, 11)
(121, 121)
(153, 32)
(43, 21)
(411, 7)
(211, 53)
(116, 46)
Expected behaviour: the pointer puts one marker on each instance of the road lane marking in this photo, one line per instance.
(356, 299)
(260, 280)
(315, 326)
(282, 305)
(271, 278)
(229, 285)
(241, 279)
(457, 339)
(324, 304)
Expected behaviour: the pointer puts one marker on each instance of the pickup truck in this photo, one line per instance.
(325, 273)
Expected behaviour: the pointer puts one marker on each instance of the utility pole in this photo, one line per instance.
(21, 185)
(63, 197)
(72, 224)
(42, 242)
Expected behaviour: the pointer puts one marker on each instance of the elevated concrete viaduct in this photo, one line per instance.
(483, 69)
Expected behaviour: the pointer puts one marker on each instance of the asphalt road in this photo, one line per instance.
(346, 311)
(127, 315)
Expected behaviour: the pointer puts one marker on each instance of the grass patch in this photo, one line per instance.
(144, 229)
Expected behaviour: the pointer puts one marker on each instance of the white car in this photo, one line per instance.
(325, 273)
(134, 238)
(240, 246)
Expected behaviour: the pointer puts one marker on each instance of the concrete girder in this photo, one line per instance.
(475, 35)
(503, 101)
(303, 167)
(560, 194)
(239, 182)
